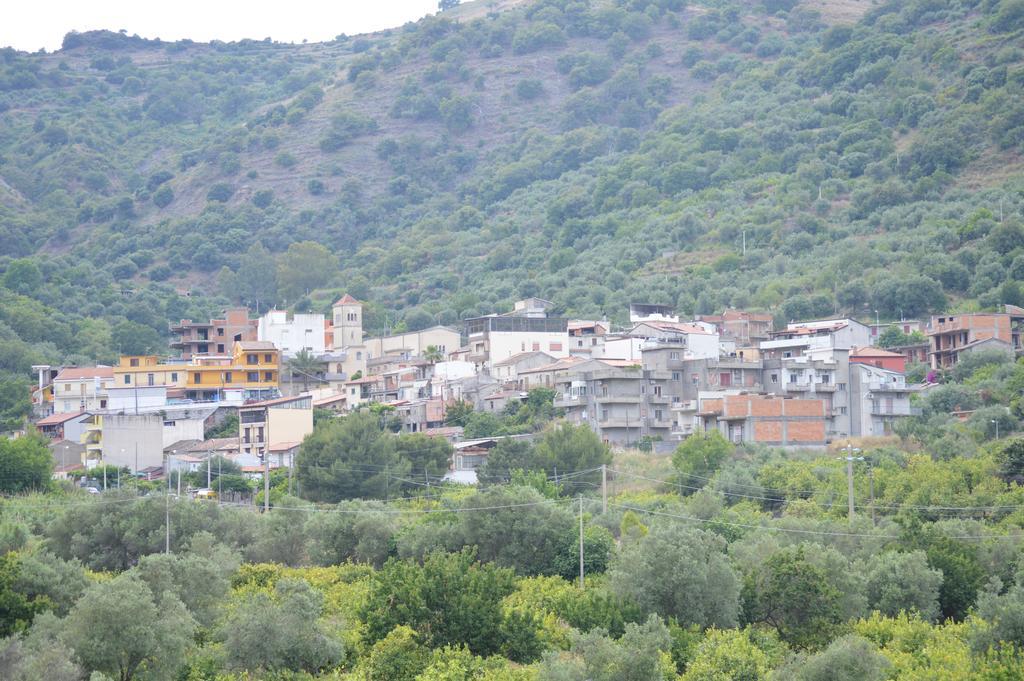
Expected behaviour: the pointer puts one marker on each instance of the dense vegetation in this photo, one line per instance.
(588, 152)
(721, 563)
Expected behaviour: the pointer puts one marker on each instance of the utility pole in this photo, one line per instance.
(208, 472)
(219, 460)
(871, 487)
(266, 481)
(581, 542)
(849, 451)
(167, 505)
(604, 488)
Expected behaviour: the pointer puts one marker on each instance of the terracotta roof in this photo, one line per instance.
(57, 419)
(79, 373)
(347, 300)
(618, 362)
(283, 446)
(503, 394)
(366, 379)
(68, 468)
(873, 352)
(444, 431)
(187, 459)
(330, 400)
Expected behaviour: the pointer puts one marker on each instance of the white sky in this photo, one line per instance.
(39, 24)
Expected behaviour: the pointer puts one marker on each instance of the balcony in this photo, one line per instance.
(569, 401)
(798, 387)
(618, 422)
(735, 363)
(685, 405)
(659, 399)
(824, 387)
(883, 387)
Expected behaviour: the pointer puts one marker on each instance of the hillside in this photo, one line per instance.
(799, 157)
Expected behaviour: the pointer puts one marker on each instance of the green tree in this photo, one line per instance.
(306, 366)
(850, 658)
(795, 597)
(566, 448)
(507, 457)
(252, 283)
(16, 609)
(280, 630)
(349, 458)
(396, 657)
(458, 413)
(678, 572)
(903, 581)
(23, 276)
(728, 654)
(433, 354)
(119, 628)
(305, 266)
(636, 656)
(451, 599)
(364, 535)
(699, 456)
(425, 455)
(15, 403)
(482, 424)
(25, 464)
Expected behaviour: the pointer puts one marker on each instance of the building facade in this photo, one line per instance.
(214, 337)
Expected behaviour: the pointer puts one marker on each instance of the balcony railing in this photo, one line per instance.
(882, 386)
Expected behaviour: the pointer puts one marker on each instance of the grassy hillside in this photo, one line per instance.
(867, 155)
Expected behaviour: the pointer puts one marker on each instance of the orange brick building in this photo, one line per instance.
(767, 419)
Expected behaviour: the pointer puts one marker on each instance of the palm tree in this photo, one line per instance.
(433, 354)
(306, 365)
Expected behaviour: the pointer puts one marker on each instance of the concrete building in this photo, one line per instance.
(586, 338)
(292, 333)
(214, 337)
(78, 389)
(496, 338)
(879, 397)
(138, 440)
(347, 334)
(950, 336)
(414, 343)
(266, 425)
(877, 357)
(421, 415)
(134, 371)
(253, 367)
(741, 326)
(507, 370)
(798, 337)
(622, 402)
(66, 426)
(649, 312)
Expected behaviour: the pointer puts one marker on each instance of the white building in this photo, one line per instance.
(798, 337)
(879, 397)
(292, 334)
(82, 389)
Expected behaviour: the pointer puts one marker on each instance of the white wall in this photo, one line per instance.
(504, 344)
(292, 335)
(127, 399)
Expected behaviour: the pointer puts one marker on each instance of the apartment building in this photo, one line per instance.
(951, 336)
(271, 424)
(293, 333)
(78, 389)
(253, 367)
(766, 419)
(620, 400)
(507, 370)
(491, 339)
(214, 337)
(879, 397)
(799, 337)
(139, 371)
(740, 326)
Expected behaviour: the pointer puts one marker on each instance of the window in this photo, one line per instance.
(220, 348)
(268, 375)
(643, 388)
(134, 361)
(593, 341)
(260, 433)
(842, 410)
(252, 359)
(677, 376)
(792, 377)
(150, 379)
(675, 399)
(352, 391)
(67, 387)
(536, 347)
(657, 391)
(169, 424)
(268, 358)
(840, 386)
(826, 379)
(197, 377)
(127, 379)
(673, 355)
(220, 331)
(555, 347)
(579, 343)
(695, 379)
(657, 414)
(353, 316)
(604, 414)
(227, 376)
(737, 376)
(253, 377)
(359, 355)
(174, 377)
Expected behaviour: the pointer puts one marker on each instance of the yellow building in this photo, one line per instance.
(275, 425)
(142, 371)
(254, 367)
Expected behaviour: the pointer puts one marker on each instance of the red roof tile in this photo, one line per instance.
(57, 419)
(81, 373)
(347, 300)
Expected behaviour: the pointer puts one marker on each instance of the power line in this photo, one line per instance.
(819, 533)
